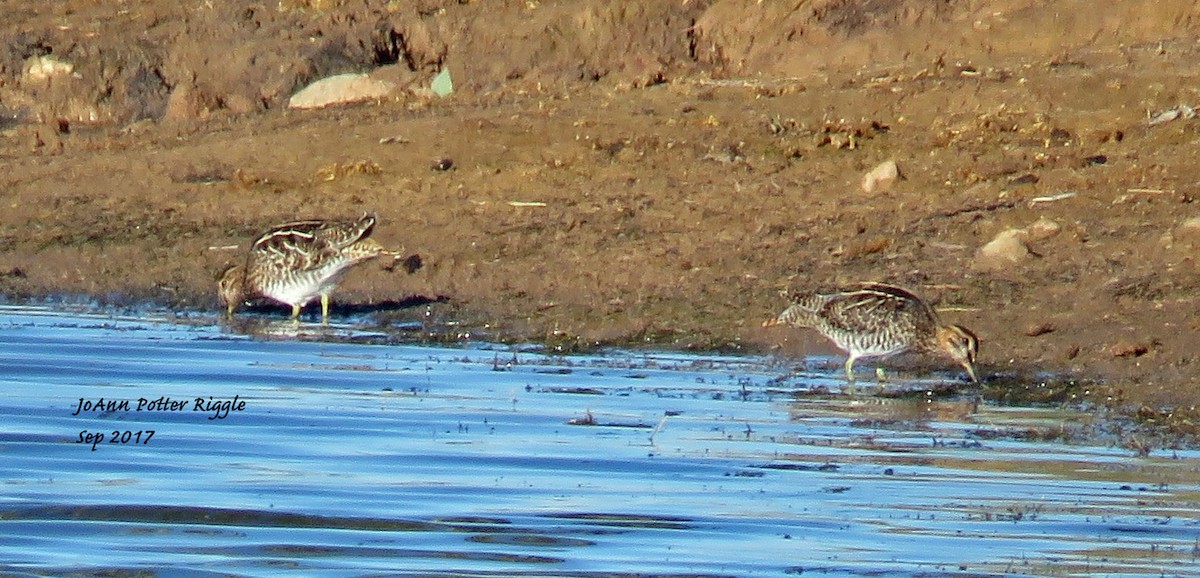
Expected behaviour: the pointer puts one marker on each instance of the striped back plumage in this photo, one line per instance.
(295, 262)
(312, 245)
(878, 320)
(308, 244)
(872, 319)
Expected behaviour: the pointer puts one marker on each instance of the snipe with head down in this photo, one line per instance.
(879, 320)
(294, 263)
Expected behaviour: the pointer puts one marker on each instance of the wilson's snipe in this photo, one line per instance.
(296, 262)
(878, 320)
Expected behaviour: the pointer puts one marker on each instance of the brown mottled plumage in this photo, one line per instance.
(879, 320)
(295, 263)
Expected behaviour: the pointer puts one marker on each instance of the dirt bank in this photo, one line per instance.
(651, 172)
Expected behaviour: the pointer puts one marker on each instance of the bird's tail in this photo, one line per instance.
(343, 234)
(362, 229)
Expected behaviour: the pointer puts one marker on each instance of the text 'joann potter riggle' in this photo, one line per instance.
(219, 408)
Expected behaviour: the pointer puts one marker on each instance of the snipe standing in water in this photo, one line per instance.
(879, 320)
(295, 263)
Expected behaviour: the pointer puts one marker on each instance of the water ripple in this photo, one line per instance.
(352, 459)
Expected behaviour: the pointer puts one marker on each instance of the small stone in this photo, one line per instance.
(239, 104)
(1040, 329)
(1042, 229)
(839, 140)
(1189, 229)
(184, 103)
(1007, 248)
(43, 69)
(341, 89)
(413, 263)
(46, 139)
(1071, 352)
(1126, 348)
(442, 85)
(881, 178)
(1025, 179)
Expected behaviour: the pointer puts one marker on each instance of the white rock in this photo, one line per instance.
(1007, 248)
(42, 69)
(1042, 229)
(341, 89)
(881, 178)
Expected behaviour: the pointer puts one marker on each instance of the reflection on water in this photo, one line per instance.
(349, 459)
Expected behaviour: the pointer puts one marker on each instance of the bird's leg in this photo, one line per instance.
(971, 372)
(324, 309)
(880, 377)
(850, 375)
(296, 313)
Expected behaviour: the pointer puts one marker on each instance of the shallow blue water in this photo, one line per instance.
(351, 460)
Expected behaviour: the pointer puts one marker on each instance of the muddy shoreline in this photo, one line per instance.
(654, 191)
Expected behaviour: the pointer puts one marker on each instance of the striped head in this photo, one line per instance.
(961, 345)
(231, 287)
